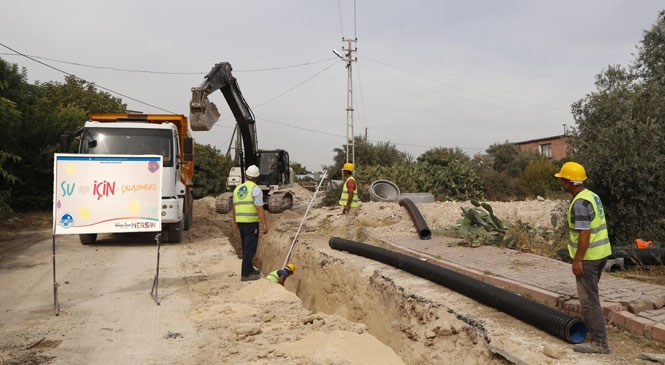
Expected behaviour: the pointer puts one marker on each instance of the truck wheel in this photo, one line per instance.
(175, 232)
(88, 238)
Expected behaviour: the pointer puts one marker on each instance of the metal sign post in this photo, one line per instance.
(155, 281)
(56, 304)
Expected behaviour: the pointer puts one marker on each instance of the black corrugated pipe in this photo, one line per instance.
(539, 315)
(641, 256)
(417, 218)
(631, 256)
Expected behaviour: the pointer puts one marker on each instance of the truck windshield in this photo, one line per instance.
(120, 141)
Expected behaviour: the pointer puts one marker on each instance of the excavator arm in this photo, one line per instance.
(203, 114)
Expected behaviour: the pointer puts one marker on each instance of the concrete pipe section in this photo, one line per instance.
(383, 191)
(418, 197)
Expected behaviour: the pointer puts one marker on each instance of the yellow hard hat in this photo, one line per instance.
(291, 267)
(572, 171)
(347, 167)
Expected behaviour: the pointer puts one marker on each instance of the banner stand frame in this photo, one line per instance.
(155, 281)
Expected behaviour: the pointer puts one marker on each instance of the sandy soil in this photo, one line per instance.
(336, 309)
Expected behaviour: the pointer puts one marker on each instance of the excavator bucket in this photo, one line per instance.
(202, 113)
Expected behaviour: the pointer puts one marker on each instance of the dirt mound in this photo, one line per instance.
(337, 308)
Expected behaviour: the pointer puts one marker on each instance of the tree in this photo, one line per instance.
(8, 116)
(42, 112)
(507, 157)
(537, 178)
(443, 156)
(299, 169)
(367, 154)
(500, 171)
(81, 94)
(211, 168)
(618, 139)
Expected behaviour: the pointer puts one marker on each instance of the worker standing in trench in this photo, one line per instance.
(349, 200)
(589, 246)
(280, 276)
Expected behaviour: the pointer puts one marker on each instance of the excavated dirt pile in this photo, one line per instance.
(337, 308)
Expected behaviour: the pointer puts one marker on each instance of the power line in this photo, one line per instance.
(96, 85)
(339, 17)
(428, 76)
(38, 58)
(454, 96)
(343, 136)
(160, 72)
(298, 85)
(355, 20)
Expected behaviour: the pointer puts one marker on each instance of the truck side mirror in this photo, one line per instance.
(188, 149)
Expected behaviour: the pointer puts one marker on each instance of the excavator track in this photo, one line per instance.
(280, 201)
(224, 202)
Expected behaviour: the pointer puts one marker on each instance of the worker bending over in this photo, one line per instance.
(279, 276)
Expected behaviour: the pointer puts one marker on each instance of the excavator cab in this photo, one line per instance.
(273, 166)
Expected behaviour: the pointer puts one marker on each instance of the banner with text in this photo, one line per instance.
(107, 193)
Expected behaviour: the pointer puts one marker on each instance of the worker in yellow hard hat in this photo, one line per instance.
(280, 276)
(589, 246)
(349, 200)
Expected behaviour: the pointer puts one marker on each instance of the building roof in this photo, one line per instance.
(541, 139)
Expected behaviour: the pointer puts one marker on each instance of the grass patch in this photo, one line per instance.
(652, 274)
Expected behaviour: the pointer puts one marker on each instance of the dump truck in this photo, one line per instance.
(276, 175)
(141, 134)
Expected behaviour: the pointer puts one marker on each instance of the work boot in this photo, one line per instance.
(254, 275)
(591, 348)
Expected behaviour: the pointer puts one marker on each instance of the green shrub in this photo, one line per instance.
(538, 178)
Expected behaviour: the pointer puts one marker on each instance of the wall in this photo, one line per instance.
(558, 146)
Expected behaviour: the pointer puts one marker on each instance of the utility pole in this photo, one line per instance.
(349, 59)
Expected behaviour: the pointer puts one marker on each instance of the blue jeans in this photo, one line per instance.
(249, 239)
(587, 291)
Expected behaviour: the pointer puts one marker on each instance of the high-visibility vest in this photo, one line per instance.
(345, 195)
(244, 203)
(273, 276)
(599, 241)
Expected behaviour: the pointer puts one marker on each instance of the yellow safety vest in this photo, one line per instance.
(244, 203)
(345, 195)
(599, 242)
(273, 276)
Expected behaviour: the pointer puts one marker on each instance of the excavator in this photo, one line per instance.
(276, 175)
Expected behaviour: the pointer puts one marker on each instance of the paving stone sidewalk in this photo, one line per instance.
(544, 280)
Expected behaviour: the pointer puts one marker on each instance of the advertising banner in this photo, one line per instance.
(107, 193)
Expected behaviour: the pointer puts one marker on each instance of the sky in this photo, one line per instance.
(425, 74)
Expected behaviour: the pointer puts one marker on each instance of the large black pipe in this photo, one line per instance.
(641, 256)
(423, 231)
(631, 256)
(539, 315)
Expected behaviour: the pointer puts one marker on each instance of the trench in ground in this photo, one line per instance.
(422, 322)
